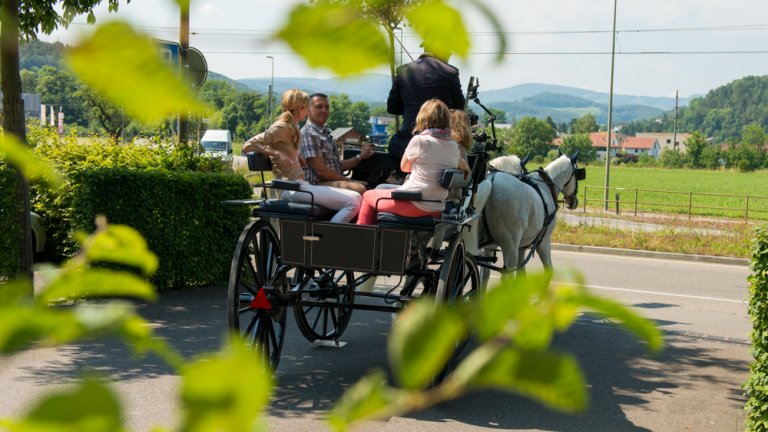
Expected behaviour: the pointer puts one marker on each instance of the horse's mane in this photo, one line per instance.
(509, 164)
(558, 166)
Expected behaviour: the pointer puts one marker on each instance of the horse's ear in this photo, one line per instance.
(575, 156)
(559, 152)
(525, 160)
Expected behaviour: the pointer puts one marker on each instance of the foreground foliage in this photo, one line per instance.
(756, 387)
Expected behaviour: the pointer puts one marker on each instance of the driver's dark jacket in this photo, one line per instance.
(425, 78)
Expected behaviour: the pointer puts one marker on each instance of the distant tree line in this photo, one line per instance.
(242, 111)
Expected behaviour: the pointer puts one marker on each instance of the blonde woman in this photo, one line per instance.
(280, 142)
(461, 131)
(430, 152)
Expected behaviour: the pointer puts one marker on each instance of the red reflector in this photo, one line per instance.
(260, 301)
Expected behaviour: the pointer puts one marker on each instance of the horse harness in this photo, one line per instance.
(548, 218)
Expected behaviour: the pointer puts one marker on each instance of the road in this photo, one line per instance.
(693, 385)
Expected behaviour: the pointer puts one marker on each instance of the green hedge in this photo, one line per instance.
(179, 214)
(9, 227)
(757, 385)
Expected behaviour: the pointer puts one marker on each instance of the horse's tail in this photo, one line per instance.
(483, 192)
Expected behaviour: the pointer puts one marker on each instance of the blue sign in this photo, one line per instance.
(169, 52)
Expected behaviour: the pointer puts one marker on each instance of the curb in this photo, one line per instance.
(652, 254)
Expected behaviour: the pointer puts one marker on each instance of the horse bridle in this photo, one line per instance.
(577, 174)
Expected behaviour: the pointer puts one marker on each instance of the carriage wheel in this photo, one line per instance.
(257, 281)
(326, 303)
(459, 282)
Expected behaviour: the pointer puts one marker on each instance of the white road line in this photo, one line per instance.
(605, 288)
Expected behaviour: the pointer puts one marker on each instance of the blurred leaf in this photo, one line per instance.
(15, 291)
(138, 334)
(77, 283)
(441, 27)
(21, 326)
(507, 302)
(225, 392)
(369, 398)
(496, 27)
(121, 244)
(125, 68)
(20, 156)
(335, 36)
(553, 379)
(535, 329)
(422, 340)
(633, 322)
(90, 407)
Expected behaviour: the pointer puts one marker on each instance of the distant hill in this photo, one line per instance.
(721, 114)
(367, 87)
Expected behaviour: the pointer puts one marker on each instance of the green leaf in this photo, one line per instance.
(441, 27)
(369, 398)
(76, 283)
(121, 244)
(22, 326)
(506, 302)
(227, 391)
(91, 406)
(553, 379)
(638, 325)
(335, 36)
(423, 339)
(20, 156)
(125, 68)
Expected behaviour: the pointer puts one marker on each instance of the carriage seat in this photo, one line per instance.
(260, 163)
(452, 178)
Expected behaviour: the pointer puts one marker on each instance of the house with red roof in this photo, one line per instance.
(641, 145)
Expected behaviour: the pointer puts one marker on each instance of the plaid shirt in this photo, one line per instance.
(317, 142)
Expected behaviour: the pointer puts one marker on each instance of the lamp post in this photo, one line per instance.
(270, 112)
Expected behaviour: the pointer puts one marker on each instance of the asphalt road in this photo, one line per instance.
(693, 385)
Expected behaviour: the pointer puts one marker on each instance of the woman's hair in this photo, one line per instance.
(461, 131)
(292, 101)
(434, 113)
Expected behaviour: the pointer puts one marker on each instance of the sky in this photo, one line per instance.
(662, 46)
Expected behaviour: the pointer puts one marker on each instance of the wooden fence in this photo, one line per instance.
(690, 203)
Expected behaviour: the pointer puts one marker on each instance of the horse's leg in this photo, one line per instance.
(545, 253)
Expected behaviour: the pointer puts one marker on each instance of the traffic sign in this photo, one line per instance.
(169, 52)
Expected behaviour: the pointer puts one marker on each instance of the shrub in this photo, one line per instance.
(756, 387)
(9, 227)
(179, 214)
(70, 154)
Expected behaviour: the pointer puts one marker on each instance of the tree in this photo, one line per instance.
(582, 143)
(694, 146)
(60, 89)
(109, 117)
(711, 157)
(26, 18)
(345, 113)
(584, 124)
(532, 136)
(753, 134)
(672, 159)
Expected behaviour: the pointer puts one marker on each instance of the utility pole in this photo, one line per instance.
(183, 122)
(610, 111)
(270, 104)
(674, 128)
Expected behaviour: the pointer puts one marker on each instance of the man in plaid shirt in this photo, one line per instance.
(324, 166)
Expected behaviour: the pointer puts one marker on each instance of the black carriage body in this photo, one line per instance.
(363, 248)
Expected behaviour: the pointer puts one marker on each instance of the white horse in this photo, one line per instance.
(509, 164)
(519, 213)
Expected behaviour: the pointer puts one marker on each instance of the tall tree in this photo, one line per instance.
(584, 124)
(27, 18)
(694, 146)
(532, 136)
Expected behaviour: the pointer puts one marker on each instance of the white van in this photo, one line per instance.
(217, 143)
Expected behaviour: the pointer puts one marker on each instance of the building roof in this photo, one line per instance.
(645, 143)
(340, 132)
(599, 139)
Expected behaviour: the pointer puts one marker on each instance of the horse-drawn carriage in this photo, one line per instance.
(290, 257)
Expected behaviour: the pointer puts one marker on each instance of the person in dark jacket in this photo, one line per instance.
(425, 78)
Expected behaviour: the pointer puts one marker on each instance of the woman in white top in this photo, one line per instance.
(429, 153)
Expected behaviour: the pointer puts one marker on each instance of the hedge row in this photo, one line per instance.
(757, 385)
(9, 227)
(179, 214)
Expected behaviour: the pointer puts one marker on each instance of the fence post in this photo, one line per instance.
(690, 204)
(617, 203)
(584, 207)
(746, 210)
(635, 201)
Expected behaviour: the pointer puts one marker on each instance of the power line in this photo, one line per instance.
(738, 52)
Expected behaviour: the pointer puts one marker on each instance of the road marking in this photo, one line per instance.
(694, 297)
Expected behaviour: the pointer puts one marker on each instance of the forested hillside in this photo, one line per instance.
(722, 114)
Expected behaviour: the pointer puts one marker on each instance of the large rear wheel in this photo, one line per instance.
(255, 296)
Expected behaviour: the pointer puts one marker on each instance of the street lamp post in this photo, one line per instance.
(270, 112)
(610, 111)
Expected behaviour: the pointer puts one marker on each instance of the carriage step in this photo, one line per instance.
(329, 343)
(488, 259)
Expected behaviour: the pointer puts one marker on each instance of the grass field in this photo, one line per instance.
(702, 192)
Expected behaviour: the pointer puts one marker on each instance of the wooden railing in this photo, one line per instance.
(690, 203)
